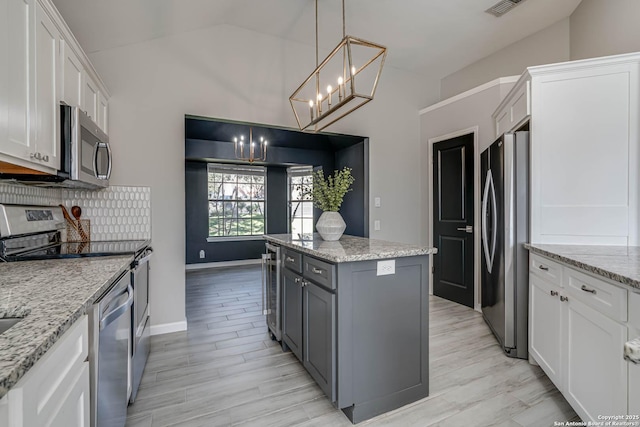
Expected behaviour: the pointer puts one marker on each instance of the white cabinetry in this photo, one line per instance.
(577, 333)
(15, 138)
(47, 111)
(585, 148)
(634, 369)
(41, 64)
(4, 411)
(55, 391)
(72, 76)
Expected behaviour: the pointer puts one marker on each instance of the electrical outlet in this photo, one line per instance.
(376, 202)
(202, 253)
(376, 225)
(386, 267)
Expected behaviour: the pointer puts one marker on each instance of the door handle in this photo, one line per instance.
(468, 228)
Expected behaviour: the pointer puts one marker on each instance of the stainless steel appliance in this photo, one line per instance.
(505, 229)
(271, 296)
(109, 343)
(140, 318)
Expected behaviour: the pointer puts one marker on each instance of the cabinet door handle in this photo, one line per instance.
(543, 267)
(564, 299)
(45, 158)
(297, 280)
(554, 293)
(304, 283)
(584, 288)
(317, 270)
(289, 259)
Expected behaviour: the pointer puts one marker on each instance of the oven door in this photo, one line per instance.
(90, 152)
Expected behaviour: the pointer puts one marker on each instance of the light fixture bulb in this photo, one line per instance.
(319, 97)
(329, 89)
(261, 139)
(265, 142)
(340, 80)
(241, 142)
(242, 137)
(235, 139)
(253, 144)
(353, 70)
(311, 103)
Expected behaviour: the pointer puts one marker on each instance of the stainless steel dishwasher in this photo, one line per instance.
(109, 344)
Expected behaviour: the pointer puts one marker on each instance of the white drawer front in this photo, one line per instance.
(545, 268)
(608, 299)
(634, 310)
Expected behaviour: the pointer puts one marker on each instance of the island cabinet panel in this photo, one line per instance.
(319, 333)
(292, 311)
(383, 336)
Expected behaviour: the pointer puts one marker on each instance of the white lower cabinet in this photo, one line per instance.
(575, 340)
(55, 391)
(634, 369)
(596, 375)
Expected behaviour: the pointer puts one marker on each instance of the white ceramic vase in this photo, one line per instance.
(330, 225)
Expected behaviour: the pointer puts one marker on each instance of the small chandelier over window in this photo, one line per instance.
(313, 107)
(250, 152)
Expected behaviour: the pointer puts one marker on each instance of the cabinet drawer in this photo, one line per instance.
(604, 297)
(292, 260)
(319, 272)
(546, 269)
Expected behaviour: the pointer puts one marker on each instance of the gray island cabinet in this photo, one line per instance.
(356, 314)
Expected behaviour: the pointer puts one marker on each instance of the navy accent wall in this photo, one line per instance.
(355, 206)
(292, 148)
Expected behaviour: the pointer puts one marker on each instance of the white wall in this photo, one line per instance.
(547, 46)
(600, 28)
(232, 73)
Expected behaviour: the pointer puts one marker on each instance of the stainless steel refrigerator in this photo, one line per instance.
(505, 229)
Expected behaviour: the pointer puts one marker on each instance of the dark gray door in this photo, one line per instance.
(453, 219)
(319, 337)
(292, 312)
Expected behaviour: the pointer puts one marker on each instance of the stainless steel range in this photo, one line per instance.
(118, 320)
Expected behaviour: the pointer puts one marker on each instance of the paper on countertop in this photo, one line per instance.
(632, 350)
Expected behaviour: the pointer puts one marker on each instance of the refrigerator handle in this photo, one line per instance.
(265, 257)
(494, 219)
(485, 202)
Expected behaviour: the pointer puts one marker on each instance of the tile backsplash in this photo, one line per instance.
(116, 213)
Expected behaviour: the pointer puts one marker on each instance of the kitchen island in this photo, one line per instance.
(355, 313)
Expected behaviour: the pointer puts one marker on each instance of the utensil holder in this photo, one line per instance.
(79, 230)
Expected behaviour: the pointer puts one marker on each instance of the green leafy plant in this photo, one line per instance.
(329, 192)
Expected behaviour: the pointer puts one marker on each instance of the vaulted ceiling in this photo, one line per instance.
(434, 37)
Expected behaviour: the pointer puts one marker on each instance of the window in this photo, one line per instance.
(236, 200)
(300, 200)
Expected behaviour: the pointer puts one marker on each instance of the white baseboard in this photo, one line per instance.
(222, 264)
(167, 328)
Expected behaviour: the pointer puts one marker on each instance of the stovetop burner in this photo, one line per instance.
(81, 249)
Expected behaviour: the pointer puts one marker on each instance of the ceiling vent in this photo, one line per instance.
(503, 7)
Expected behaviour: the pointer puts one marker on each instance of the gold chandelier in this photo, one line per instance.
(254, 153)
(317, 109)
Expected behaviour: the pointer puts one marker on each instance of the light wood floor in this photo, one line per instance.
(226, 371)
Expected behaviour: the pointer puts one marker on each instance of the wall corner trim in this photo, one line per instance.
(167, 328)
(470, 92)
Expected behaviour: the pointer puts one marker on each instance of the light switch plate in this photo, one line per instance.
(386, 267)
(376, 225)
(376, 202)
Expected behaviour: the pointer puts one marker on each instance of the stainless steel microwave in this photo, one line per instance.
(86, 152)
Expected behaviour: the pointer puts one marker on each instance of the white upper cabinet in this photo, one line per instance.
(41, 65)
(72, 70)
(585, 148)
(15, 137)
(47, 111)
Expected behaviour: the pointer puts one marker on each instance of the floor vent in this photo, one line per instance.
(503, 7)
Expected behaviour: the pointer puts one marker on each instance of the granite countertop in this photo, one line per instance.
(51, 295)
(348, 248)
(618, 263)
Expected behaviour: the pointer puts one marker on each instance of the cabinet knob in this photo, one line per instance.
(554, 293)
(297, 280)
(289, 259)
(45, 158)
(564, 299)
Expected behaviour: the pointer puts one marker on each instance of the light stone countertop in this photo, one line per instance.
(51, 295)
(618, 263)
(348, 248)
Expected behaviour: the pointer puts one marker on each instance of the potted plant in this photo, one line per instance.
(328, 194)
